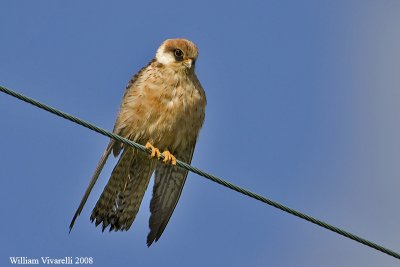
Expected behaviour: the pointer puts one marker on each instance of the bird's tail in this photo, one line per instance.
(121, 198)
(96, 174)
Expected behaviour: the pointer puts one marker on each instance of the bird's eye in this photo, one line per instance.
(178, 54)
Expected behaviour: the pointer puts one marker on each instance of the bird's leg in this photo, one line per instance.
(154, 151)
(169, 158)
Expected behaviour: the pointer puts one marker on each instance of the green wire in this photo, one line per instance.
(204, 174)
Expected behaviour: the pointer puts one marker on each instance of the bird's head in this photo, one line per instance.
(177, 53)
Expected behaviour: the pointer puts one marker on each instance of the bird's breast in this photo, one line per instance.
(177, 112)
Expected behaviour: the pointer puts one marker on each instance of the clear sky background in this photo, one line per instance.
(303, 107)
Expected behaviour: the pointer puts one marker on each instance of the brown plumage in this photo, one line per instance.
(163, 106)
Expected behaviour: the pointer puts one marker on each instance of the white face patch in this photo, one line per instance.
(164, 58)
(170, 104)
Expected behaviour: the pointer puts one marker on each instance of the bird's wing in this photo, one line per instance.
(96, 174)
(168, 185)
(124, 116)
(115, 146)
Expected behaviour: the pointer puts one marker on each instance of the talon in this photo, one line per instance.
(169, 158)
(154, 151)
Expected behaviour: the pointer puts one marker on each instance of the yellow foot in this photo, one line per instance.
(169, 158)
(154, 151)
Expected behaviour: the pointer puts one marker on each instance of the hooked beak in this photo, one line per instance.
(188, 63)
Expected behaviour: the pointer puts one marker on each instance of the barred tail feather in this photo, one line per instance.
(104, 211)
(123, 194)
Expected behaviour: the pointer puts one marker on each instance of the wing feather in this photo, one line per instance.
(168, 185)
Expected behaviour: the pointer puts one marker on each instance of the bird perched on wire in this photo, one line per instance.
(164, 107)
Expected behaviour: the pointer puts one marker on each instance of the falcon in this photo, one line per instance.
(164, 108)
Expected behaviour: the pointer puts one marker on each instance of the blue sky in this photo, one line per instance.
(303, 107)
